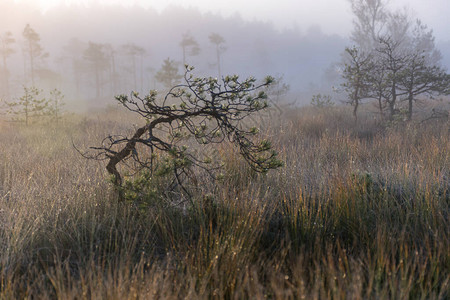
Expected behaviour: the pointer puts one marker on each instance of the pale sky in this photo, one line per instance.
(333, 16)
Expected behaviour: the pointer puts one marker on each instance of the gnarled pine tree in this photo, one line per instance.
(202, 109)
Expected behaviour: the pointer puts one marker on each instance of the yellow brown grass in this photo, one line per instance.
(357, 212)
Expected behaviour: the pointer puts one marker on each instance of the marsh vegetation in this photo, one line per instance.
(356, 212)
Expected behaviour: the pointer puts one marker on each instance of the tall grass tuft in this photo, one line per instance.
(357, 212)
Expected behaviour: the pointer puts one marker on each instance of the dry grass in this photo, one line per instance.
(358, 212)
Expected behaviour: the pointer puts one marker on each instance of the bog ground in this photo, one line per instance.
(357, 212)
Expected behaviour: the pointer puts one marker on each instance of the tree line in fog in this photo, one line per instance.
(96, 52)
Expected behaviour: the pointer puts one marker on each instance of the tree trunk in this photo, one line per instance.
(97, 83)
(392, 102)
(134, 73)
(355, 110)
(6, 74)
(31, 63)
(380, 106)
(410, 105)
(218, 61)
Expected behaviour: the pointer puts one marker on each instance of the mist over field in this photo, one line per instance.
(303, 57)
(224, 149)
(306, 58)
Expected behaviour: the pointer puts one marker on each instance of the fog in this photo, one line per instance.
(304, 56)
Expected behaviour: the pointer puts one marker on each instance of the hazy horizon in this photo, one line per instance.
(332, 16)
(304, 54)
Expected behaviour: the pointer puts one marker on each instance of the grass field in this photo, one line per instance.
(357, 212)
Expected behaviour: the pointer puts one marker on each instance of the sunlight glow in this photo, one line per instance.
(334, 16)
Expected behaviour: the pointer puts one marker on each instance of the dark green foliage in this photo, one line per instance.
(202, 111)
(190, 46)
(55, 105)
(217, 40)
(97, 62)
(29, 106)
(395, 60)
(168, 74)
(33, 48)
(321, 101)
(356, 77)
(6, 50)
